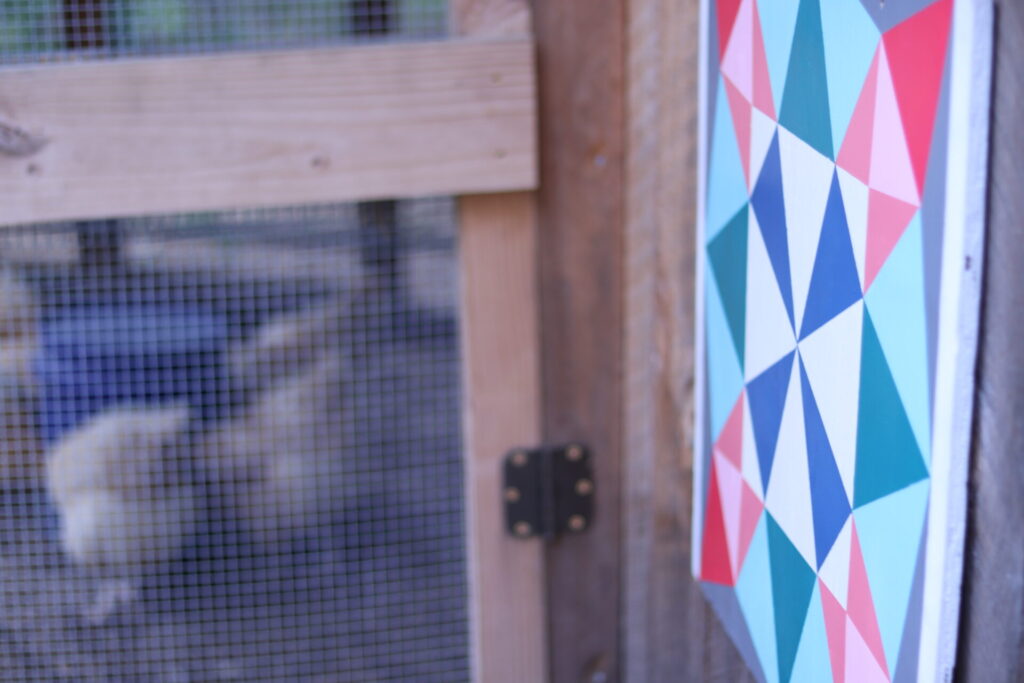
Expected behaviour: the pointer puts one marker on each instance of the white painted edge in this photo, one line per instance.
(959, 303)
(698, 347)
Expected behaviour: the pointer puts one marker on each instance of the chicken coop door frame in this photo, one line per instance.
(133, 137)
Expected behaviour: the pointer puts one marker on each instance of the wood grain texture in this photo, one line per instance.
(580, 202)
(269, 129)
(991, 645)
(670, 633)
(501, 370)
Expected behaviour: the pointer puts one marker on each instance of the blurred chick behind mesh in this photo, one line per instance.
(280, 465)
(21, 456)
(124, 493)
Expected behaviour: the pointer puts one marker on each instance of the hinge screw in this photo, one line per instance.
(522, 528)
(584, 487)
(512, 494)
(574, 453)
(577, 522)
(519, 458)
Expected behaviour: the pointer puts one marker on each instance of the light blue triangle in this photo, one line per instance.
(727, 185)
(850, 42)
(897, 307)
(778, 21)
(725, 376)
(754, 590)
(889, 530)
(812, 660)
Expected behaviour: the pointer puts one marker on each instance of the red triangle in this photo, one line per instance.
(917, 58)
(730, 441)
(835, 630)
(860, 605)
(855, 153)
(762, 82)
(727, 10)
(888, 218)
(741, 122)
(714, 553)
(750, 514)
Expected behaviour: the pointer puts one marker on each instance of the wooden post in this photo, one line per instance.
(581, 48)
(991, 646)
(501, 375)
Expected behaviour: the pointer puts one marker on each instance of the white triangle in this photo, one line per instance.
(835, 570)
(831, 357)
(789, 488)
(730, 488)
(768, 332)
(806, 180)
(762, 130)
(737, 62)
(855, 201)
(751, 468)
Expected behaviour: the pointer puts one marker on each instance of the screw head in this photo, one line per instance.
(574, 453)
(512, 494)
(522, 528)
(584, 487)
(518, 458)
(577, 523)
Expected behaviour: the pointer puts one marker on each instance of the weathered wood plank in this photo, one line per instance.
(269, 129)
(581, 81)
(670, 633)
(991, 646)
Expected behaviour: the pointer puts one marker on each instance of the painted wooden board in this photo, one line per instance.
(840, 231)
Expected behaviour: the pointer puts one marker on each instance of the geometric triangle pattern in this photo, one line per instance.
(809, 539)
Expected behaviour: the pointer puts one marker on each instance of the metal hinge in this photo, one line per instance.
(548, 491)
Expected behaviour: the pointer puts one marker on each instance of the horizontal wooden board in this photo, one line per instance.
(119, 138)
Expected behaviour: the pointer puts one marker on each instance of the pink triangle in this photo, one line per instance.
(861, 666)
(750, 514)
(730, 440)
(762, 81)
(714, 554)
(888, 218)
(741, 111)
(891, 170)
(917, 49)
(835, 629)
(861, 607)
(730, 489)
(855, 153)
(738, 61)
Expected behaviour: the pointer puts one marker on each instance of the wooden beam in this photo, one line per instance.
(991, 646)
(268, 129)
(670, 633)
(581, 203)
(501, 356)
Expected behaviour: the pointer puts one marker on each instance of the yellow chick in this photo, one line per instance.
(286, 345)
(125, 499)
(279, 465)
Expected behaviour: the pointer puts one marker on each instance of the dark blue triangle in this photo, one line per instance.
(834, 281)
(771, 216)
(829, 504)
(767, 395)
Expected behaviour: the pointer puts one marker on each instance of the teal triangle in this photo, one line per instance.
(728, 255)
(888, 458)
(812, 660)
(851, 39)
(897, 306)
(805, 101)
(727, 185)
(890, 532)
(725, 376)
(792, 583)
(778, 20)
(754, 590)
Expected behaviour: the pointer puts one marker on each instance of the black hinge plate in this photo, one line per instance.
(548, 491)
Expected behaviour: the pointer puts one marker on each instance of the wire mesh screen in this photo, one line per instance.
(231, 448)
(32, 30)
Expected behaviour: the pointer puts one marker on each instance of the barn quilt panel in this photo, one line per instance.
(825, 227)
